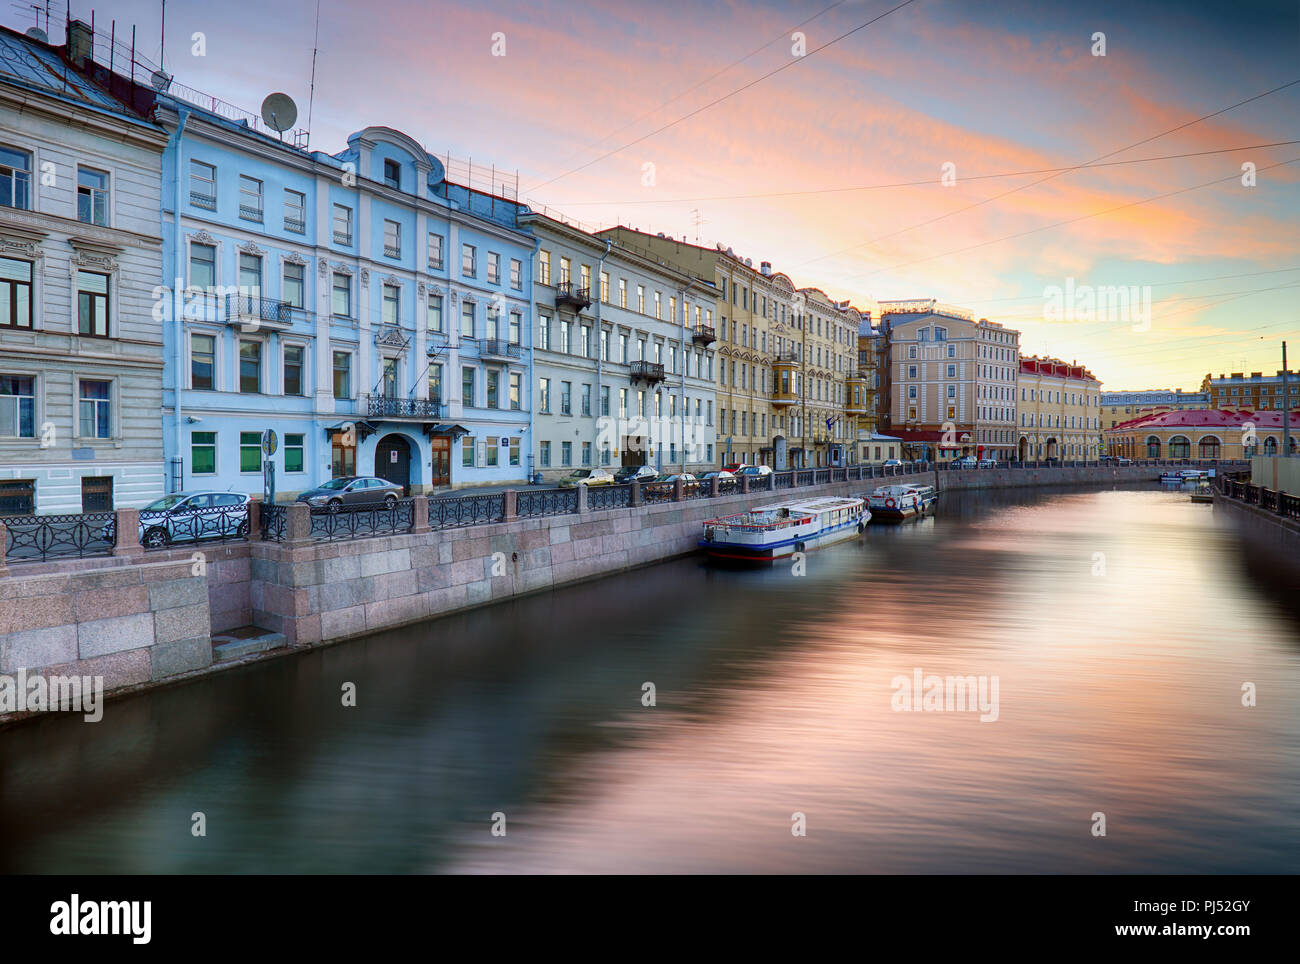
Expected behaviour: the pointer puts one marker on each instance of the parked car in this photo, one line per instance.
(689, 482)
(888, 463)
(1123, 461)
(720, 474)
(988, 463)
(1052, 460)
(635, 473)
(734, 468)
(964, 462)
(189, 517)
(755, 471)
(350, 492)
(596, 476)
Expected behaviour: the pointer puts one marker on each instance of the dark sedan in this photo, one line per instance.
(352, 492)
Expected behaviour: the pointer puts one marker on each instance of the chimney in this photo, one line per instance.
(766, 268)
(81, 44)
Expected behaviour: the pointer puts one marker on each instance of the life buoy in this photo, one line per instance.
(890, 503)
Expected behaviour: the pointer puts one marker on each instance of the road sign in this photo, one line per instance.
(269, 442)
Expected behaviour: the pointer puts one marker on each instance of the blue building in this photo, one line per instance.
(372, 313)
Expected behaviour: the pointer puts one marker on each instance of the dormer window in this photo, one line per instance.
(393, 174)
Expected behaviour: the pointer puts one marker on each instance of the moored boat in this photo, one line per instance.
(783, 528)
(894, 503)
(1186, 475)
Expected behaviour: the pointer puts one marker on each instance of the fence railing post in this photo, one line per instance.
(420, 514)
(677, 490)
(582, 497)
(127, 531)
(744, 484)
(713, 487)
(4, 542)
(634, 493)
(254, 519)
(297, 524)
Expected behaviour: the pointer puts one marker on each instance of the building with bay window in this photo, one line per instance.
(81, 369)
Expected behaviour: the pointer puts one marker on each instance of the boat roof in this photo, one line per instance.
(896, 489)
(810, 505)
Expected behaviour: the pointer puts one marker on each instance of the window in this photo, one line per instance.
(516, 326)
(388, 377)
(544, 267)
(467, 451)
(435, 251)
(516, 274)
(566, 269)
(468, 260)
(586, 399)
(250, 276)
(392, 239)
(250, 367)
(491, 449)
(911, 371)
(295, 211)
(17, 407)
(911, 351)
(562, 345)
(566, 453)
(544, 333)
(494, 268)
(392, 305)
(203, 453)
(545, 457)
(435, 313)
(92, 304)
(293, 362)
(514, 451)
(493, 382)
(544, 395)
(342, 224)
(952, 351)
(203, 266)
(92, 196)
(250, 451)
(250, 198)
(604, 286)
(392, 174)
(467, 386)
(622, 292)
(341, 303)
(203, 185)
(293, 453)
(658, 305)
(95, 412)
(467, 319)
(566, 391)
(435, 383)
(295, 285)
(952, 371)
(586, 453)
(604, 400)
(202, 358)
(640, 299)
(15, 293)
(516, 394)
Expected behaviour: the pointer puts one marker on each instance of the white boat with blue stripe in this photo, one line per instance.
(784, 528)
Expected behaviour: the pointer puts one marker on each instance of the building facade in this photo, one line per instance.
(952, 381)
(81, 369)
(1059, 411)
(623, 357)
(1119, 407)
(1202, 434)
(370, 312)
(1256, 391)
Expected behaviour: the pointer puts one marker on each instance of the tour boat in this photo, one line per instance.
(1186, 475)
(894, 503)
(774, 531)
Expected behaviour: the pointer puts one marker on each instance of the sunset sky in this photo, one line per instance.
(991, 88)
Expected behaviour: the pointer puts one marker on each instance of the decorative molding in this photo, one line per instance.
(250, 247)
(341, 268)
(390, 336)
(365, 276)
(391, 279)
(294, 258)
(30, 249)
(202, 237)
(90, 259)
(421, 289)
(324, 268)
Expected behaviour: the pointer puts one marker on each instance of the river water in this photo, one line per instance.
(1121, 626)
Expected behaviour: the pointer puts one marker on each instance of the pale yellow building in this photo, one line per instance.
(1059, 411)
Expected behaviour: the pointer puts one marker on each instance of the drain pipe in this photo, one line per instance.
(178, 325)
(600, 355)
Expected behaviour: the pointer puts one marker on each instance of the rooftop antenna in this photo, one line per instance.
(162, 38)
(695, 213)
(311, 95)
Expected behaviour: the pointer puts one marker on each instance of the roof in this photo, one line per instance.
(1206, 418)
(39, 66)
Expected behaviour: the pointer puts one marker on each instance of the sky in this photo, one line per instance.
(894, 162)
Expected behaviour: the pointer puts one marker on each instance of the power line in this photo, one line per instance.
(713, 76)
(931, 180)
(724, 97)
(1158, 284)
(1049, 177)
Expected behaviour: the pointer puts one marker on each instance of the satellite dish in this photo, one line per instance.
(161, 80)
(36, 33)
(279, 111)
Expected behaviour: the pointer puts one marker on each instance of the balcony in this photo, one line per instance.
(392, 251)
(499, 348)
(704, 335)
(295, 225)
(344, 238)
(417, 409)
(206, 201)
(567, 293)
(646, 371)
(786, 358)
(252, 312)
(250, 212)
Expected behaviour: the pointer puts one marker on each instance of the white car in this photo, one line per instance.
(720, 474)
(189, 517)
(988, 464)
(596, 476)
(756, 471)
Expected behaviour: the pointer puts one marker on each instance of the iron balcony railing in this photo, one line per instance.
(295, 225)
(569, 293)
(251, 308)
(392, 251)
(648, 371)
(206, 201)
(386, 406)
(499, 348)
(704, 335)
(344, 238)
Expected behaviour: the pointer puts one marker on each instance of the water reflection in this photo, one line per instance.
(1121, 625)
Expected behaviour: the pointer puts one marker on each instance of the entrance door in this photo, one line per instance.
(96, 493)
(393, 461)
(441, 460)
(343, 458)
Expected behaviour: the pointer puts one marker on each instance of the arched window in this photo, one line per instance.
(1153, 446)
(1208, 448)
(1270, 446)
(1180, 447)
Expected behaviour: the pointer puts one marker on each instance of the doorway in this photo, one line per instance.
(441, 460)
(96, 493)
(393, 461)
